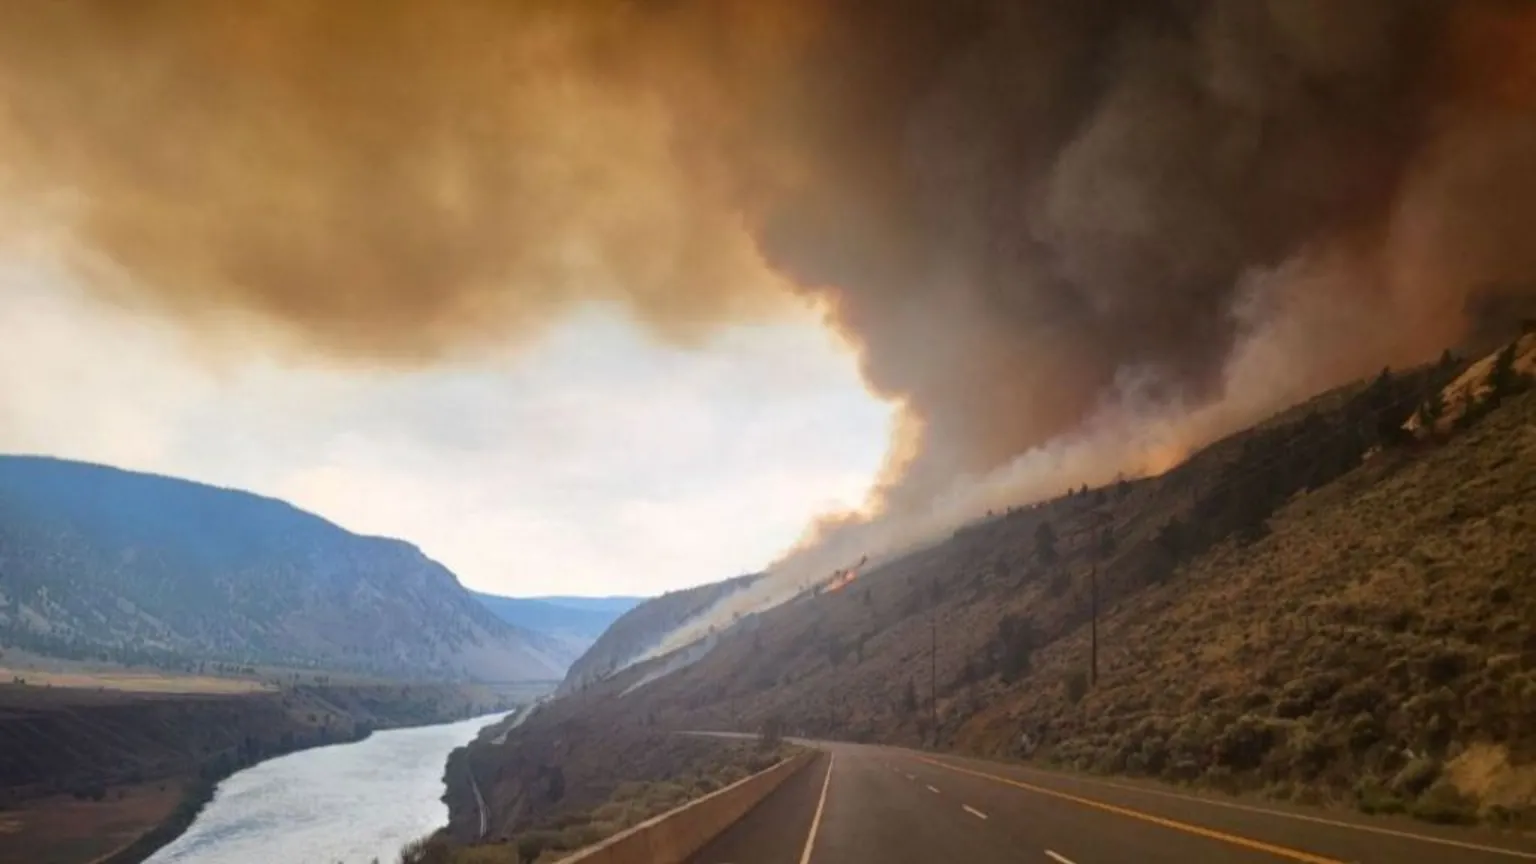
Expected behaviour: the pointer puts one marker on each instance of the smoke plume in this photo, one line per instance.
(1042, 223)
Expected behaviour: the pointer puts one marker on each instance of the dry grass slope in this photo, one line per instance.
(1377, 645)
(1321, 608)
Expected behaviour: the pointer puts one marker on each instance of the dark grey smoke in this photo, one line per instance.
(1021, 211)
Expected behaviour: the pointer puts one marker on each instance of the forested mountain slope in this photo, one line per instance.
(99, 563)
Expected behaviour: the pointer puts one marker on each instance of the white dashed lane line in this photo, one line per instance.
(1059, 859)
(933, 789)
(973, 811)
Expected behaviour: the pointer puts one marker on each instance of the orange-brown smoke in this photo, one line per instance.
(1022, 213)
(388, 179)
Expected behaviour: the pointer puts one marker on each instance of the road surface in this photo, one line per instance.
(878, 805)
(479, 801)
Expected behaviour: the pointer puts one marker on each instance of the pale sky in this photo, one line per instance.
(592, 462)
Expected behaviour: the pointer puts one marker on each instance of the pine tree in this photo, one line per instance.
(1503, 380)
(1432, 409)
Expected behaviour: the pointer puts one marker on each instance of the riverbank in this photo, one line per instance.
(548, 781)
(108, 777)
(350, 803)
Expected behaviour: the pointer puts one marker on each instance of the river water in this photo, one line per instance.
(347, 803)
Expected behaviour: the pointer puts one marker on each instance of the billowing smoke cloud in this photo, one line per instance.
(385, 180)
(1042, 223)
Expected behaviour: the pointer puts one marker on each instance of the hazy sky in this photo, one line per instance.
(593, 462)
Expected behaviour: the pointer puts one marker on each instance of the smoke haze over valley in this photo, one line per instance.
(1066, 241)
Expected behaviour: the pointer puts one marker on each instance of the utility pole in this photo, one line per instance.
(1093, 613)
(1098, 521)
(933, 672)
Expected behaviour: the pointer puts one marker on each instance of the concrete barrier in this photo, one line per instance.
(675, 835)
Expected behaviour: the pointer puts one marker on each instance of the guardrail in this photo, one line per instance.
(675, 835)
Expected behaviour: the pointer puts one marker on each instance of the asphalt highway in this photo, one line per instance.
(879, 805)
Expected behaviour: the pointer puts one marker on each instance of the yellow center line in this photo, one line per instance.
(1233, 839)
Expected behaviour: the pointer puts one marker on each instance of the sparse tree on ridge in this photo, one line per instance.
(1432, 409)
(1503, 380)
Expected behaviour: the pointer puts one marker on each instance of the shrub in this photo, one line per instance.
(427, 850)
(1153, 756)
(772, 734)
(1221, 778)
(1415, 777)
(1243, 745)
(1364, 731)
(1372, 797)
(1358, 698)
(531, 844)
(1077, 686)
(1016, 639)
(1444, 666)
(1310, 752)
(1444, 804)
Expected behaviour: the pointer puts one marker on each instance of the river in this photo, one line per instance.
(350, 803)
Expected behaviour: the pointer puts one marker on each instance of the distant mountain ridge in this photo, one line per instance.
(616, 604)
(572, 624)
(102, 563)
(642, 628)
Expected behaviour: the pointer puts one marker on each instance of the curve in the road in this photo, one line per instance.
(895, 806)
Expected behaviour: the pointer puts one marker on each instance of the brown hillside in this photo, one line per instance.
(1322, 607)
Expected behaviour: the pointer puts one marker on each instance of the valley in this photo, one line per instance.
(158, 635)
(1331, 609)
(568, 626)
(114, 773)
